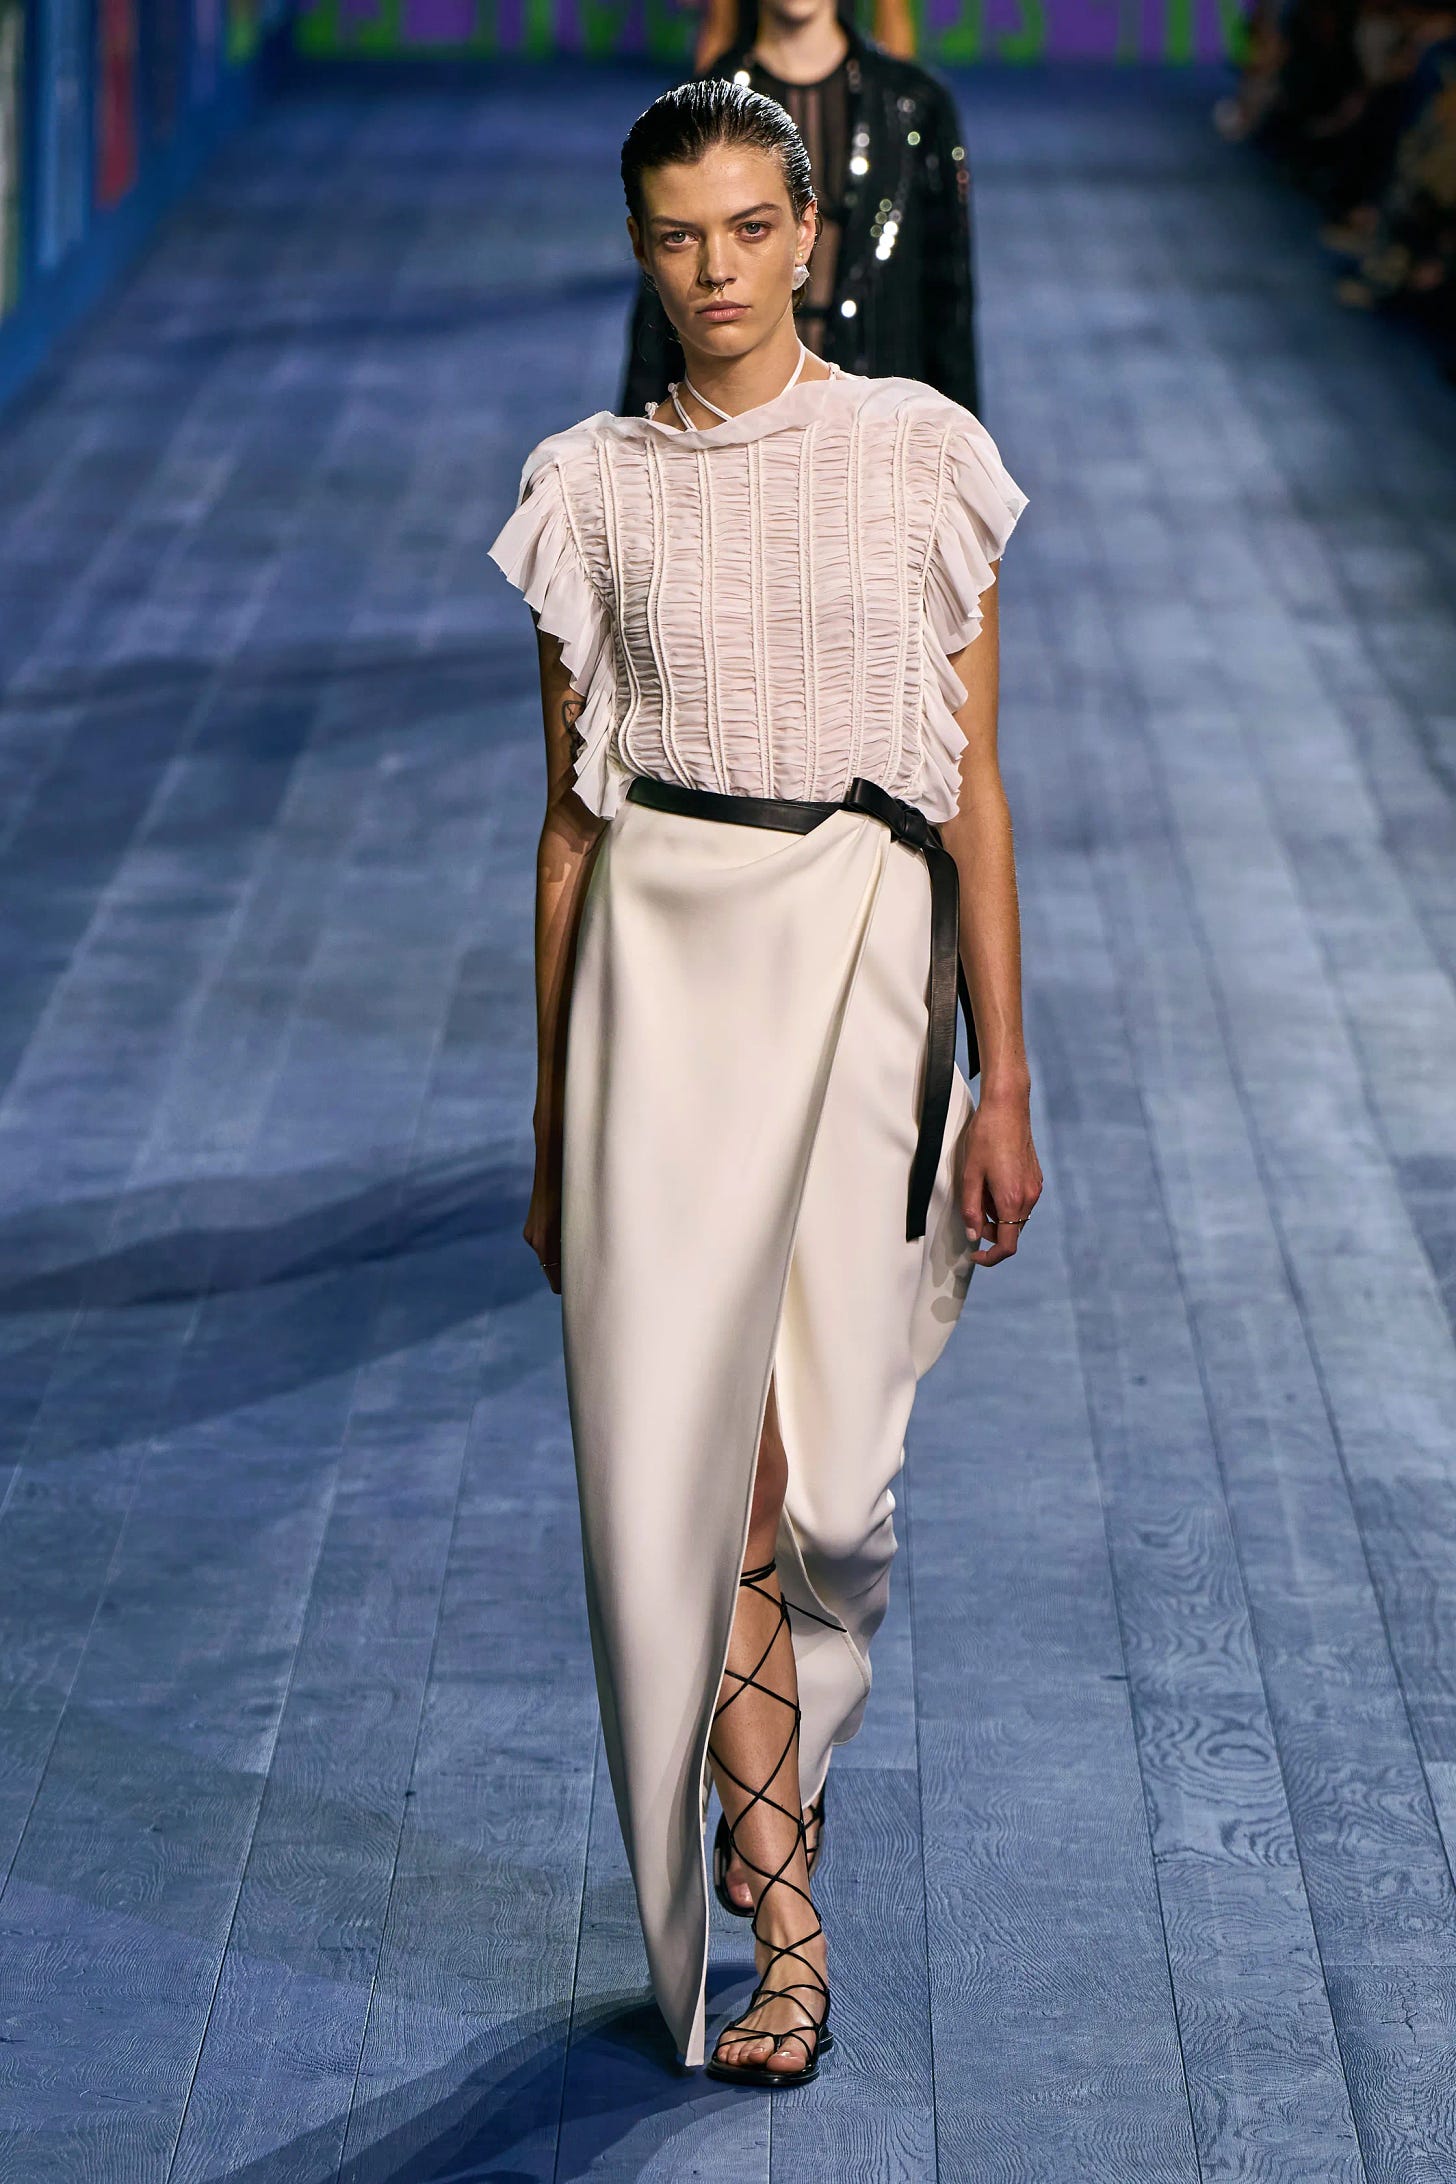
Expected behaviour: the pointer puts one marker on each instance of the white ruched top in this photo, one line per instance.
(769, 606)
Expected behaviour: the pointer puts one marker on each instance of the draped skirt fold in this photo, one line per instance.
(745, 1050)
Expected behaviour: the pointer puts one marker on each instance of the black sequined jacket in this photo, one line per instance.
(903, 302)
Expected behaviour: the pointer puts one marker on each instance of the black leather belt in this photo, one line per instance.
(908, 825)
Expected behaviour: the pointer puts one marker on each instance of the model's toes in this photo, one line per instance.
(793, 2056)
(753, 2049)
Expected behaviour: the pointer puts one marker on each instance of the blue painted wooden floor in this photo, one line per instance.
(1140, 1872)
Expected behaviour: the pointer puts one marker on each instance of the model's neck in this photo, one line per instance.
(739, 383)
(801, 52)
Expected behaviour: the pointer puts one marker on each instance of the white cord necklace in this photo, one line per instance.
(712, 407)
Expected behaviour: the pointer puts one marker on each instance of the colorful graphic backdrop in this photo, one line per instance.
(952, 32)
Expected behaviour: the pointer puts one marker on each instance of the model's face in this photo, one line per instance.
(720, 240)
(783, 15)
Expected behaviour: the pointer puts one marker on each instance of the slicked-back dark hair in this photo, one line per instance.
(679, 127)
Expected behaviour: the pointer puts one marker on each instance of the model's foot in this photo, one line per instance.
(799, 2008)
(735, 1878)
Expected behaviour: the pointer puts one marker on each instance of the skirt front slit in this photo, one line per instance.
(744, 1063)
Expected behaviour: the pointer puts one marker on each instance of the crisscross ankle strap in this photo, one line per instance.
(761, 1796)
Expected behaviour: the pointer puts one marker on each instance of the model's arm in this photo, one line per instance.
(947, 297)
(569, 838)
(1002, 1176)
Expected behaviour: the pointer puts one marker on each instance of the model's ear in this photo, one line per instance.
(635, 233)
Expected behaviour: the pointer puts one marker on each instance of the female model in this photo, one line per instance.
(774, 819)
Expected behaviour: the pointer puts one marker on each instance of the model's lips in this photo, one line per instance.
(721, 310)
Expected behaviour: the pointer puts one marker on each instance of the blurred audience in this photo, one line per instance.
(1358, 99)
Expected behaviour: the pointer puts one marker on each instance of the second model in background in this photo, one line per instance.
(725, 23)
(891, 288)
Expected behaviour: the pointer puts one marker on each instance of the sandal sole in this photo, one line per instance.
(773, 2081)
(763, 2079)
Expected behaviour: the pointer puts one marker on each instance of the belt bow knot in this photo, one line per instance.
(905, 821)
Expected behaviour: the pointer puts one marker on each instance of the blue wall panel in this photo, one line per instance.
(108, 109)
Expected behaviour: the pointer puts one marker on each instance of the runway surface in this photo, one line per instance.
(1137, 1874)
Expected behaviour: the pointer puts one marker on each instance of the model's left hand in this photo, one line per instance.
(1001, 1179)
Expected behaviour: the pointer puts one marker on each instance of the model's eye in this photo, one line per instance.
(754, 227)
(673, 235)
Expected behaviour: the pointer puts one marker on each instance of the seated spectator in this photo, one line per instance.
(1405, 242)
(1358, 99)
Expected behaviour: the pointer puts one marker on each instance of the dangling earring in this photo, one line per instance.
(801, 274)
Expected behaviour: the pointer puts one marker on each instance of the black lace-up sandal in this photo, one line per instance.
(805, 1987)
(814, 1818)
(723, 1854)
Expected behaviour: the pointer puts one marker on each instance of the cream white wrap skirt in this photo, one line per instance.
(746, 1042)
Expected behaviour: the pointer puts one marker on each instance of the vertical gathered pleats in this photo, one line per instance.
(858, 604)
(661, 652)
(905, 616)
(764, 709)
(707, 623)
(616, 564)
(786, 592)
(807, 595)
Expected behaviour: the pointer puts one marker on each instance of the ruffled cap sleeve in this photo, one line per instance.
(979, 505)
(537, 551)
